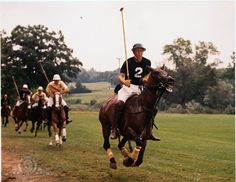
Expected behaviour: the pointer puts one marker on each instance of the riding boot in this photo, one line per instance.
(118, 108)
(66, 109)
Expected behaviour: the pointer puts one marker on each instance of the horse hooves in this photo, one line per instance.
(24, 130)
(64, 139)
(31, 131)
(113, 165)
(19, 132)
(128, 161)
(50, 144)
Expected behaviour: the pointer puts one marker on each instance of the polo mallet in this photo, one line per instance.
(126, 59)
(44, 73)
(14, 81)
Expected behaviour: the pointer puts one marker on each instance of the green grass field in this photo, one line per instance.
(100, 91)
(192, 148)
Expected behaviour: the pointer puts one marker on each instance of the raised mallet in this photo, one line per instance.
(126, 59)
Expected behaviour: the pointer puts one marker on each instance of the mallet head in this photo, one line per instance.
(121, 9)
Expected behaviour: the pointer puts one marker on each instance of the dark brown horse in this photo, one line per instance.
(22, 115)
(136, 117)
(39, 114)
(58, 119)
(5, 113)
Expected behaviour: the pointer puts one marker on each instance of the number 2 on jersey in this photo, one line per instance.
(138, 72)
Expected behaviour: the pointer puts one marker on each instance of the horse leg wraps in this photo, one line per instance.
(109, 154)
(64, 132)
(124, 152)
(57, 138)
(135, 153)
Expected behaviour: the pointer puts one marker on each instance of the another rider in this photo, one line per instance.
(37, 95)
(137, 68)
(5, 101)
(57, 86)
(24, 93)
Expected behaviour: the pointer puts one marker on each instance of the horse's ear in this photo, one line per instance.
(163, 67)
(149, 68)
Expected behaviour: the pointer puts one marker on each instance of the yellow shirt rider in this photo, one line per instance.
(37, 95)
(57, 86)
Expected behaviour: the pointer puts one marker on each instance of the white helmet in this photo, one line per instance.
(56, 77)
(25, 86)
(40, 88)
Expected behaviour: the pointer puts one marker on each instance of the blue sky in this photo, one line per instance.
(94, 30)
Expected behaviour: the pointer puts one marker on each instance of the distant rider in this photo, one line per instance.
(57, 85)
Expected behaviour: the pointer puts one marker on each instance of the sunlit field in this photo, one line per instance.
(192, 148)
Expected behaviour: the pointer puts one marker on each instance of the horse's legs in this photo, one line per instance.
(26, 125)
(2, 120)
(130, 161)
(106, 144)
(20, 123)
(130, 146)
(122, 148)
(49, 132)
(141, 153)
(38, 126)
(6, 122)
(56, 130)
(16, 123)
(33, 126)
(64, 132)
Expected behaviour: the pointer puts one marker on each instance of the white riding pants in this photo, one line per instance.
(126, 92)
(50, 102)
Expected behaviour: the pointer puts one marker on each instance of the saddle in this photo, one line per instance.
(129, 105)
(133, 105)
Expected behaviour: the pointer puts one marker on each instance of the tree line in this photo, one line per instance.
(199, 87)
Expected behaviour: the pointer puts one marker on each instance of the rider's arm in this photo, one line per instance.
(121, 78)
(49, 90)
(65, 88)
(34, 97)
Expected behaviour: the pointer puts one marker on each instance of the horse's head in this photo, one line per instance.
(160, 78)
(57, 99)
(41, 102)
(27, 100)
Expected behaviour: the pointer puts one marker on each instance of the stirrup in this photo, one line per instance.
(154, 138)
(68, 121)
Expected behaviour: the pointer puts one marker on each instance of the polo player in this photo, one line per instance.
(57, 85)
(24, 93)
(137, 68)
(37, 95)
(5, 101)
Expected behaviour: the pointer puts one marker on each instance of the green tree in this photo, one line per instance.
(26, 47)
(219, 96)
(229, 72)
(192, 73)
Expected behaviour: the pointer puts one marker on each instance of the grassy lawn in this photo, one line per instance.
(192, 148)
(100, 92)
